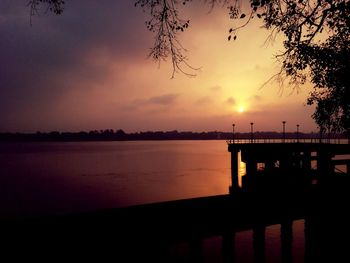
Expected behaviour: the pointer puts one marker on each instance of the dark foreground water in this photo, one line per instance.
(56, 178)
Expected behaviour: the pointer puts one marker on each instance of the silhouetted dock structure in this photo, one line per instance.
(289, 170)
(283, 182)
(287, 160)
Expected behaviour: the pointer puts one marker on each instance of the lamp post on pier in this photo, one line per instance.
(284, 131)
(233, 133)
(297, 132)
(321, 132)
(251, 131)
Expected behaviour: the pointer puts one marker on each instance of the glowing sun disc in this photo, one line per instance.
(241, 109)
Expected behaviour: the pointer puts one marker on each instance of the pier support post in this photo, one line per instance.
(269, 166)
(228, 247)
(311, 240)
(196, 246)
(286, 241)
(324, 163)
(306, 167)
(306, 161)
(286, 161)
(259, 243)
(234, 170)
(249, 181)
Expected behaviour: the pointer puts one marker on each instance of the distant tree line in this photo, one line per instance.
(120, 135)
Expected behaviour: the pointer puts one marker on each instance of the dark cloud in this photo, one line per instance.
(204, 101)
(166, 99)
(231, 101)
(162, 100)
(57, 54)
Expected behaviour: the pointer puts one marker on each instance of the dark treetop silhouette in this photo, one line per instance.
(316, 44)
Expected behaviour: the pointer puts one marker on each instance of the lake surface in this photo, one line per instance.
(56, 177)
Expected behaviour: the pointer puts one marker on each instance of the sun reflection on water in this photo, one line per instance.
(242, 170)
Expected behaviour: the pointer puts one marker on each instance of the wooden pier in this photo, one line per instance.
(304, 177)
(290, 161)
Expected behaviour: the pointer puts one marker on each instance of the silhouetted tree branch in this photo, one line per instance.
(165, 23)
(316, 46)
(55, 6)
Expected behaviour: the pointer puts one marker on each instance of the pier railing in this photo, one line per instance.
(289, 140)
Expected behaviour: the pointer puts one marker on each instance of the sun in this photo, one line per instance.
(241, 109)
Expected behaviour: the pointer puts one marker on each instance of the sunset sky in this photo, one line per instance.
(88, 69)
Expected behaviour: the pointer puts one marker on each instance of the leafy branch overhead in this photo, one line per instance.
(55, 6)
(166, 24)
(316, 42)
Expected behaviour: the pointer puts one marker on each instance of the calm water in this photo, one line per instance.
(45, 178)
(55, 178)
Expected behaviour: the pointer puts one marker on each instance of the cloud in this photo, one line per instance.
(255, 98)
(204, 101)
(162, 100)
(90, 45)
(215, 88)
(231, 101)
(165, 99)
